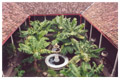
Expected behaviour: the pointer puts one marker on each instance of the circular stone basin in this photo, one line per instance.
(56, 65)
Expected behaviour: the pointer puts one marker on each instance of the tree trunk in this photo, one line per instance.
(36, 66)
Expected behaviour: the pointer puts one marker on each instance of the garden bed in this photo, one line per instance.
(74, 44)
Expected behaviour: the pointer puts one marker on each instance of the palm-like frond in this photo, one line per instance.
(24, 48)
(69, 29)
(85, 70)
(34, 46)
(86, 50)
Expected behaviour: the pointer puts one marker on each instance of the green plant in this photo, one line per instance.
(9, 50)
(75, 59)
(64, 28)
(86, 50)
(52, 73)
(37, 27)
(28, 60)
(85, 70)
(20, 72)
(67, 30)
(71, 38)
(35, 46)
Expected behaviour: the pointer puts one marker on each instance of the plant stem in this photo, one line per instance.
(36, 66)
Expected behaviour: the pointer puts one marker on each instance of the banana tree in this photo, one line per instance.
(84, 70)
(37, 27)
(85, 50)
(66, 30)
(35, 46)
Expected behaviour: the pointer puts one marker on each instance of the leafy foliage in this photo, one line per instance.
(75, 59)
(34, 46)
(9, 50)
(71, 38)
(85, 70)
(67, 30)
(20, 72)
(37, 27)
(52, 73)
(86, 50)
(28, 60)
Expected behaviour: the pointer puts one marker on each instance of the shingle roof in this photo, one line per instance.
(12, 16)
(105, 17)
